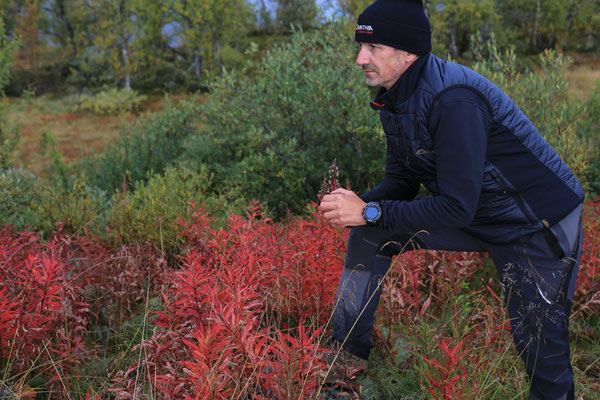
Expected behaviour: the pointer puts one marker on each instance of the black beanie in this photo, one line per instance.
(401, 24)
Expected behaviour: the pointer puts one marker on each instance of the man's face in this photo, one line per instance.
(383, 65)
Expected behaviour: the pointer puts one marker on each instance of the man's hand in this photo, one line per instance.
(343, 208)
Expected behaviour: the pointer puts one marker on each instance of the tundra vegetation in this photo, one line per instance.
(184, 257)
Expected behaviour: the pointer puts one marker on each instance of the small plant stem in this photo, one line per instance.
(56, 369)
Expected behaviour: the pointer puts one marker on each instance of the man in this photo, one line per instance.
(496, 186)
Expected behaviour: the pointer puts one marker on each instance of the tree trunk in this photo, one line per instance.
(218, 53)
(536, 20)
(125, 53)
(71, 31)
(571, 14)
(195, 66)
(452, 47)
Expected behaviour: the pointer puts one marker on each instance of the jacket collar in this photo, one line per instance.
(402, 89)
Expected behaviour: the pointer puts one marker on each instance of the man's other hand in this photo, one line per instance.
(343, 208)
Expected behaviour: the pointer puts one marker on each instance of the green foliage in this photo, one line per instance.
(9, 139)
(69, 23)
(391, 379)
(89, 69)
(9, 136)
(273, 137)
(542, 96)
(27, 202)
(143, 148)
(205, 27)
(151, 211)
(112, 101)
(17, 198)
(115, 30)
(352, 8)
(63, 197)
(530, 25)
(8, 49)
(74, 204)
(453, 21)
(147, 44)
(535, 25)
(589, 127)
(56, 169)
(296, 12)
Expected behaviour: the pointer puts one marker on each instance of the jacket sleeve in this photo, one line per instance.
(459, 122)
(397, 184)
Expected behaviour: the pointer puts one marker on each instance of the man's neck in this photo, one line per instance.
(402, 89)
(410, 64)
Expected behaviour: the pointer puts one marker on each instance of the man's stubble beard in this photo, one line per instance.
(371, 80)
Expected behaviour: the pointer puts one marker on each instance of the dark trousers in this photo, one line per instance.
(537, 272)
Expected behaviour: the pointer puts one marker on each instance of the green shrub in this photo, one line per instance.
(589, 127)
(73, 202)
(27, 202)
(9, 139)
(8, 49)
(270, 132)
(112, 101)
(18, 201)
(90, 69)
(542, 96)
(9, 136)
(142, 148)
(151, 211)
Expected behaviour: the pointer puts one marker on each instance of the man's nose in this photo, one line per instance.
(362, 58)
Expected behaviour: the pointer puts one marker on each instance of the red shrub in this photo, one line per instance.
(587, 293)
(235, 291)
(243, 314)
(291, 370)
(51, 292)
(429, 306)
(49, 312)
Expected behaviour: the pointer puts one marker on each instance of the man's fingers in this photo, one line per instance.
(341, 191)
(330, 197)
(327, 206)
(335, 219)
(330, 203)
(331, 215)
(336, 222)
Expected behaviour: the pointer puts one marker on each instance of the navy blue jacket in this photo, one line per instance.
(488, 169)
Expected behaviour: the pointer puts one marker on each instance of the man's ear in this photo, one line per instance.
(410, 57)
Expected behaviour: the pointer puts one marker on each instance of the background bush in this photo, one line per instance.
(151, 211)
(142, 148)
(542, 96)
(267, 133)
(274, 128)
(30, 203)
(112, 101)
(17, 198)
(588, 126)
(8, 135)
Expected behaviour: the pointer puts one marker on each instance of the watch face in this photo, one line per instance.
(371, 213)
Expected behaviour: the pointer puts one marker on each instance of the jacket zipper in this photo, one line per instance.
(514, 195)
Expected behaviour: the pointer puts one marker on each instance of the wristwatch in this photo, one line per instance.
(372, 213)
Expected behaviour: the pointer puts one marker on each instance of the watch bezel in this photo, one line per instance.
(375, 220)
